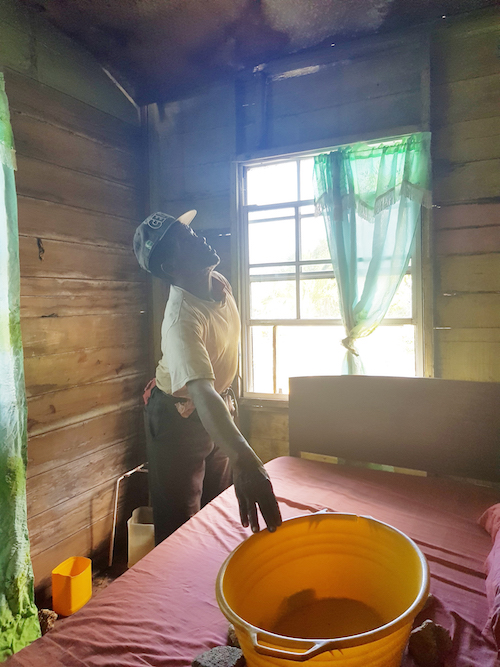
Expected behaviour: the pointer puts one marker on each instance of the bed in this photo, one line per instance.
(162, 612)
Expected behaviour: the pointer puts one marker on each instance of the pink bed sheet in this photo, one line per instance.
(163, 611)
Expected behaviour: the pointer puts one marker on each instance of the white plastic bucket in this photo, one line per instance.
(141, 534)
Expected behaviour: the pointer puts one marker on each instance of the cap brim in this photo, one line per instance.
(187, 218)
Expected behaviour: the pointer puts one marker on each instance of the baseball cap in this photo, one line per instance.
(151, 231)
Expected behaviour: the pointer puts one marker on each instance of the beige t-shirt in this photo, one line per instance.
(199, 340)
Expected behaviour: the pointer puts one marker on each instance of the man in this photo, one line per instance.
(185, 412)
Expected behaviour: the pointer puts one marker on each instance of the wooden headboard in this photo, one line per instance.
(447, 427)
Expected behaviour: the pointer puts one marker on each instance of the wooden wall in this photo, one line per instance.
(373, 87)
(466, 140)
(83, 297)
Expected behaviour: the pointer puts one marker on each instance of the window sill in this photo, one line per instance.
(256, 403)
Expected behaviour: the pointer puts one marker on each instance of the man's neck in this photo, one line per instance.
(199, 284)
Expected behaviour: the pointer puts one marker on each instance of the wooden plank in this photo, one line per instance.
(469, 335)
(55, 335)
(61, 259)
(466, 215)
(67, 223)
(461, 101)
(82, 543)
(471, 273)
(468, 360)
(64, 445)
(52, 183)
(363, 117)
(71, 69)
(15, 49)
(472, 240)
(60, 522)
(468, 141)
(465, 56)
(70, 406)
(468, 310)
(50, 143)
(54, 372)
(32, 98)
(349, 81)
(74, 479)
(468, 182)
(60, 297)
(451, 427)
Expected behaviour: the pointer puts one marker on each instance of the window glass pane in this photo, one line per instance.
(306, 178)
(270, 242)
(313, 243)
(261, 345)
(270, 270)
(272, 184)
(270, 214)
(307, 210)
(316, 268)
(401, 303)
(304, 350)
(273, 300)
(319, 299)
(389, 351)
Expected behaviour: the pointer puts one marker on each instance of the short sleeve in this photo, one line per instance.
(186, 353)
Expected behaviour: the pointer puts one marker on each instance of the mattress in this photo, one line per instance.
(163, 612)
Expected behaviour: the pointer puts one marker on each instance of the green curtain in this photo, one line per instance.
(370, 196)
(18, 614)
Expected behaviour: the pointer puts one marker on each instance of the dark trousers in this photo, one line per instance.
(186, 469)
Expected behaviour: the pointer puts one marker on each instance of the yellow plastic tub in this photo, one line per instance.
(71, 585)
(332, 589)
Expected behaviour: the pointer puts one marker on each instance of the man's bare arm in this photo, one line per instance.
(251, 481)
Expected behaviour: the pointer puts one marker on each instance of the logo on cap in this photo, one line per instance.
(156, 221)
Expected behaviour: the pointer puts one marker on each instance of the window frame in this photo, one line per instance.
(242, 271)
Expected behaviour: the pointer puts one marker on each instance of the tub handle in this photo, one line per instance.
(315, 649)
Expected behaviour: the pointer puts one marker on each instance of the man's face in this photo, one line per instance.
(191, 252)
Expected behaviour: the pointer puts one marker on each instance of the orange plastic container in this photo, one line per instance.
(71, 585)
(330, 589)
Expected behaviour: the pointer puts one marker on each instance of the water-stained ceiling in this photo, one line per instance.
(162, 49)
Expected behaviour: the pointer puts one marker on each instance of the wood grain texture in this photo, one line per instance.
(92, 470)
(40, 180)
(406, 422)
(469, 359)
(41, 140)
(470, 273)
(466, 56)
(468, 310)
(57, 409)
(468, 241)
(69, 444)
(56, 335)
(468, 182)
(460, 101)
(84, 297)
(60, 259)
(55, 372)
(468, 141)
(37, 100)
(466, 215)
(59, 297)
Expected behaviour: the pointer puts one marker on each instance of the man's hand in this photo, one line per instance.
(253, 487)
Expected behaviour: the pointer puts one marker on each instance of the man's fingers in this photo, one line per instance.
(271, 512)
(242, 503)
(252, 514)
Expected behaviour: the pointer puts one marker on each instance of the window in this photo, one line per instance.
(289, 299)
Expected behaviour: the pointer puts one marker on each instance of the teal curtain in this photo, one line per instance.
(370, 196)
(18, 614)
